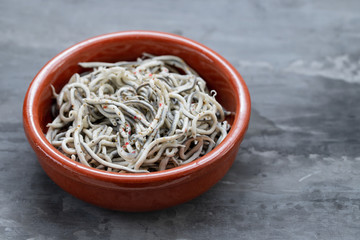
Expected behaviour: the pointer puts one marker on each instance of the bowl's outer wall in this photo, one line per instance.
(137, 197)
(134, 195)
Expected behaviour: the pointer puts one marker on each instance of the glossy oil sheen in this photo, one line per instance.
(145, 191)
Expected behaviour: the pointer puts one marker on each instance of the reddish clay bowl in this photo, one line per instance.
(127, 191)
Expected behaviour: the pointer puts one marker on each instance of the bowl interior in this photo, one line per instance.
(127, 48)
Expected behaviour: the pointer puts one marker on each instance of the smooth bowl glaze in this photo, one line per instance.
(136, 191)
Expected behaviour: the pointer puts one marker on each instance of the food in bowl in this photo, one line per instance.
(140, 191)
(148, 115)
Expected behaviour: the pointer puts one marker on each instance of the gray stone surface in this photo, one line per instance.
(297, 173)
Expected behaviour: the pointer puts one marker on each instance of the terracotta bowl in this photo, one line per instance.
(129, 191)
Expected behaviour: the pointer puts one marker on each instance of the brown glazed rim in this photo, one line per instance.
(238, 128)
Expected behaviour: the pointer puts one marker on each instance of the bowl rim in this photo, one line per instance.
(34, 133)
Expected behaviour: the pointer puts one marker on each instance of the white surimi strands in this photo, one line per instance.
(148, 115)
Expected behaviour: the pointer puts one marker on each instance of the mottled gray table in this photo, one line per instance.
(297, 173)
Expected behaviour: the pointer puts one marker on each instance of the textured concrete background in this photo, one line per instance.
(297, 174)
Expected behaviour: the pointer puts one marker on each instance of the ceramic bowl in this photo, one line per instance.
(128, 191)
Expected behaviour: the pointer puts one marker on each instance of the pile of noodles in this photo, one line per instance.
(148, 115)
